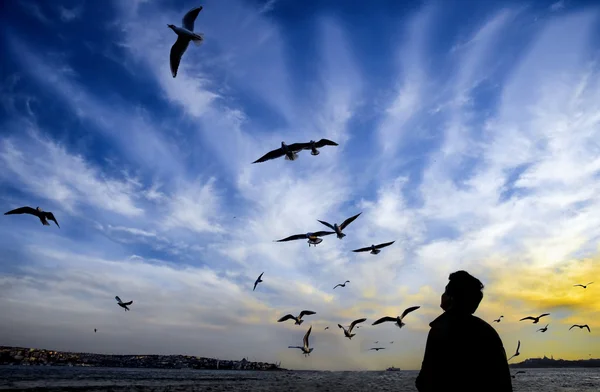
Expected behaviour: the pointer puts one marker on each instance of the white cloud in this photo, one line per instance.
(70, 14)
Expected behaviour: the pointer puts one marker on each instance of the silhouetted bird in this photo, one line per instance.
(543, 329)
(94, 330)
(297, 319)
(326, 328)
(377, 348)
(397, 319)
(517, 353)
(313, 238)
(305, 348)
(498, 319)
(584, 286)
(581, 326)
(348, 332)
(375, 249)
(338, 229)
(535, 319)
(123, 304)
(519, 372)
(185, 34)
(291, 151)
(258, 280)
(341, 284)
(392, 342)
(314, 146)
(42, 215)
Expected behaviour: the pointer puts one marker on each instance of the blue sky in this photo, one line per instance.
(468, 133)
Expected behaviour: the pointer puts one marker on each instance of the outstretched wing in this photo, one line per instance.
(295, 147)
(22, 210)
(362, 249)
(306, 313)
(51, 217)
(293, 237)
(589, 283)
(322, 233)
(384, 245)
(348, 221)
(326, 224)
(518, 345)
(527, 318)
(260, 276)
(336, 286)
(573, 326)
(286, 317)
(575, 285)
(305, 340)
(189, 18)
(118, 299)
(545, 314)
(177, 51)
(356, 322)
(408, 310)
(127, 303)
(588, 328)
(384, 319)
(325, 142)
(277, 153)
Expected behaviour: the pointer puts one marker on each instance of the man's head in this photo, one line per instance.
(463, 293)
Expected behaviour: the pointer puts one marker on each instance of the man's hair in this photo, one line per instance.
(466, 290)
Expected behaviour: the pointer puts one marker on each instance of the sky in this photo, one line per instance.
(468, 134)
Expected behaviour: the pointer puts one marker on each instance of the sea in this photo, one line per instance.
(47, 378)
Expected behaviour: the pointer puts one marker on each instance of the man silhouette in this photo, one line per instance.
(463, 352)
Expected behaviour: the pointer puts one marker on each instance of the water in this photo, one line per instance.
(118, 379)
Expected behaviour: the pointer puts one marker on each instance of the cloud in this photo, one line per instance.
(36, 11)
(70, 14)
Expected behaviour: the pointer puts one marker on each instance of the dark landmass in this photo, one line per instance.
(40, 357)
(556, 363)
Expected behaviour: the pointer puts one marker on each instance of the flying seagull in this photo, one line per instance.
(517, 353)
(348, 332)
(297, 319)
(305, 349)
(584, 286)
(326, 328)
(43, 215)
(313, 238)
(338, 229)
(341, 284)
(520, 371)
(535, 319)
(397, 319)
(185, 34)
(581, 326)
(377, 348)
(375, 249)
(257, 281)
(313, 146)
(543, 329)
(123, 304)
(498, 319)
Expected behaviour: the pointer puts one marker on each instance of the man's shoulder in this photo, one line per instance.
(484, 326)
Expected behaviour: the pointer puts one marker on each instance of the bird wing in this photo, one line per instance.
(588, 328)
(286, 317)
(545, 314)
(277, 153)
(325, 142)
(336, 286)
(305, 340)
(575, 285)
(527, 318)
(384, 245)
(51, 217)
(118, 299)
(572, 326)
(589, 283)
(295, 147)
(348, 221)
(255, 283)
(189, 18)
(326, 224)
(362, 249)
(408, 310)
(22, 210)
(322, 233)
(127, 303)
(356, 322)
(384, 319)
(293, 237)
(260, 276)
(306, 313)
(518, 345)
(177, 50)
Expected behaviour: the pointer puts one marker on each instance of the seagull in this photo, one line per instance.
(185, 34)
(305, 349)
(326, 328)
(535, 319)
(376, 342)
(498, 319)
(297, 319)
(313, 146)
(398, 319)
(584, 286)
(517, 353)
(313, 238)
(43, 215)
(348, 332)
(123, 304)
(341, 284)
(520, 371)
(581, 326)
(338, 229)
(375, 249)
(543, 329)
(377, 348)
(257, 281)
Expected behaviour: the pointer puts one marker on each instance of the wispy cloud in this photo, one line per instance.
(70, 14)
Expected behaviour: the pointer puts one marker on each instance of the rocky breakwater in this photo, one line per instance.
(41, 357)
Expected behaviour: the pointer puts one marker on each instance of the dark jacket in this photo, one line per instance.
(463, 353)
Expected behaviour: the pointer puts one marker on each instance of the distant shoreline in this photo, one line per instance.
(26, 356)
(550, 363)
